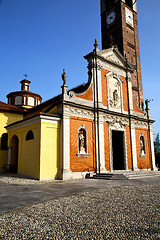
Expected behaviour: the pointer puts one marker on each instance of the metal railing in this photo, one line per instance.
(88, 169)
(143, 164)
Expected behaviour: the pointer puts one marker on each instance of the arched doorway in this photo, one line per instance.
(13, 154)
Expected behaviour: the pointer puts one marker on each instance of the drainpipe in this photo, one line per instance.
(148, 121)
(95, 118)
(97, 107)
(129, 111)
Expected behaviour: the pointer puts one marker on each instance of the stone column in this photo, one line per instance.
(101, 146)
(66, 172)
(110, 148)
(134, 150)
(152, 150)
(130, 94)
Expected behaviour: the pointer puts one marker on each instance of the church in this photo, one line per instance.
(100, 126)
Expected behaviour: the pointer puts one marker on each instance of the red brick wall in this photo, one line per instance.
(87, 95)
(135, 108)
(79, 164)
(145, 160)
(106, 146)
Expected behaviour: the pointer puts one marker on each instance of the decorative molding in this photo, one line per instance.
(71, 94)
(114, 59)
(113, 68)
(140, 124)
(70, 111)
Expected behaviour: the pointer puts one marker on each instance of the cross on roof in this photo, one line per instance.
(25, 75)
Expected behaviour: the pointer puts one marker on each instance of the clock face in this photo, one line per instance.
(110, 17)
(129, 17)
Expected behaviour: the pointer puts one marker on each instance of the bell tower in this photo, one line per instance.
(119, 27)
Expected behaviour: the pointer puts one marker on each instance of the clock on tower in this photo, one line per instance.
(119, 27)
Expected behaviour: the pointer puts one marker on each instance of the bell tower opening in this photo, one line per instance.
(129, 3)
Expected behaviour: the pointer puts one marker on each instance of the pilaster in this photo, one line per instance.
(152, 150)
(134, 150)
(101, 145)
(66, 172)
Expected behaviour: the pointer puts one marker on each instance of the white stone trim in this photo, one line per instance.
(77, 112)
(101, 146)
(120, 80)
(134, 150)
(115, 127)
(130, 95)
(66, 172)
(152, 150)
(28, 122)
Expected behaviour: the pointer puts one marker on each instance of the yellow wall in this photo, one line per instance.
(28, 153)
(38, 158)
(49, 152)
(5, 119)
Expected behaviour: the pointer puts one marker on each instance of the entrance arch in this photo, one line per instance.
(13, 154)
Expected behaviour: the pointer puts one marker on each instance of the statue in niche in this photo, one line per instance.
(142, 145)
(115, 97)
(115, 93)
(82, 138)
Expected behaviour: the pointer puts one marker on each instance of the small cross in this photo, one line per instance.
(25, 75)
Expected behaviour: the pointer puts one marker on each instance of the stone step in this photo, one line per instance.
(124, 175)
(140, 174)
(109, 176)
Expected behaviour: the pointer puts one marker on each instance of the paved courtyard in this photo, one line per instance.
(79, 209)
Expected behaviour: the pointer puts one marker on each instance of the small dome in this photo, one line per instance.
(24, 98)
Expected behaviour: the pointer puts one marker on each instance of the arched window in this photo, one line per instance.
(142, 145)
(4, 141)
(82, 142)
(29, 136)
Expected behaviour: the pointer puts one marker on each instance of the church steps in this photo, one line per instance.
(140, 174)
(124, 175)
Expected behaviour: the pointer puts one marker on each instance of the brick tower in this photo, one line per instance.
(119, 27)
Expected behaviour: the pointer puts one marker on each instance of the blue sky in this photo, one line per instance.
(41, 37)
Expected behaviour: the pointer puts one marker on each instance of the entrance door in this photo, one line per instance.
(118, 150)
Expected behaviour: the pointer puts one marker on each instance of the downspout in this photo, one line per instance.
(95, 127)
(148, 121)
(97, 107)
(129, 111)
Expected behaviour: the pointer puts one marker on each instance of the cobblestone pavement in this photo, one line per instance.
(119, 212)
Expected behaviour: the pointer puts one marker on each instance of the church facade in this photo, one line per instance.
(100, 126)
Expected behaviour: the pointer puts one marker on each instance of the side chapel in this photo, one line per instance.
(99, 126)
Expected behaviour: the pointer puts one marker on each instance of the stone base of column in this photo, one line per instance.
(155, 169)
(103, 170)
(65, 175)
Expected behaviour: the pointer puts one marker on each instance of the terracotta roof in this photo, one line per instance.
(8, 107)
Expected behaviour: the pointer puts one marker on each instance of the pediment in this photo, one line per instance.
(112, 55)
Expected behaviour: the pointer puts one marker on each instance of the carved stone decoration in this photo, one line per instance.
(114, 93)
(140, 124)
(114, 121)
(71, 111)
(82, 142)
(142, 145)
(71, 94)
